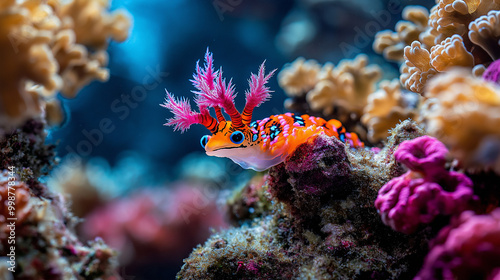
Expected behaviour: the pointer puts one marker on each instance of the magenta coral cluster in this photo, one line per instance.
(426, 190)
(160, 224)
(492, 73)
(469, 248)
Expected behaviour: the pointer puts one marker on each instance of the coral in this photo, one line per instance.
(469, 248)
(387, 107)
(21, 194)
(421, 64)
(346, 86)
(24, 148)
(244, 252)
(450, 52)
(46, 246)
(484, 32)
(417, 68)
(426, 190)
(492, 73)
(340, 92)
(250, 202)
(392, 44)
(462, 112)
(299, 77)
(457, 33)
(450, 17)
(158, 223)
(47, 47)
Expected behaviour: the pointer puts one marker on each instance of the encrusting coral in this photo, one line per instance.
(457, 33)
(51, 46)
(426, 190)
(463, 112)
(46, 246)
(386, 107)
(25, 149)
(469, 248)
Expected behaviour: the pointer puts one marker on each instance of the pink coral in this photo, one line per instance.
(424, 192)
(424, 154)
(469, 248)
(492, 73)
(157, 224)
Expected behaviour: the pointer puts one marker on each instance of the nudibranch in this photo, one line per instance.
(258, 144)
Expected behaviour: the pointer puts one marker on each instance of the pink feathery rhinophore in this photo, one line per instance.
(184, 117)
(258, 92)
(204, 81)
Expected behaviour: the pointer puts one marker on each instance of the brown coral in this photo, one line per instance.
(417, 68)
(391, 44)
(387, 107)
(45, 47)
(451, 17)
(299, 77)
(463, 112)
(485, 32)
(443, 42)
(346, 86)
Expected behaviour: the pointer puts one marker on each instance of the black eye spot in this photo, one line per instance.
(237, 137)
(204, 141)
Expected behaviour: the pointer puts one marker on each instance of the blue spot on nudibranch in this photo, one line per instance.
(255, 137)
(342, 137)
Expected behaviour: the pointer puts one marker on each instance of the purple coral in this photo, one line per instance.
(424, 192)
(469, 248)
(424, 154)
(492, 73)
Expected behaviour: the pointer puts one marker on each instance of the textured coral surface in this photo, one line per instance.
(51, 46)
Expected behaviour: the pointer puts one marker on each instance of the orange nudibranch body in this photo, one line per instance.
(265, 143)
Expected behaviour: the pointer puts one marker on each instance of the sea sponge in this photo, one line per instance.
(463, 112)
(47, 46)
(469, 248)
(387, 107)
(391, 44)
